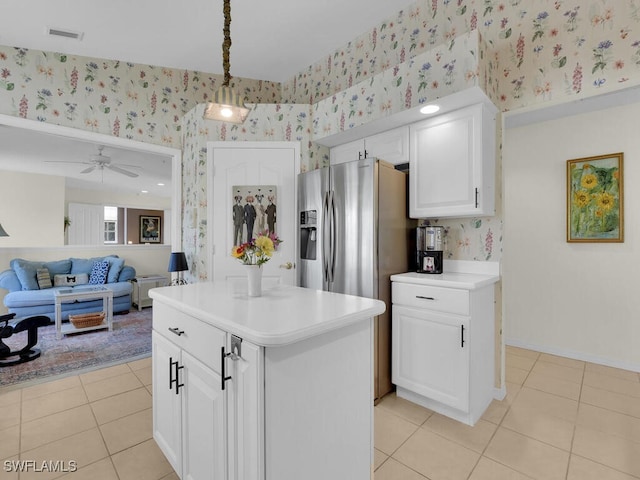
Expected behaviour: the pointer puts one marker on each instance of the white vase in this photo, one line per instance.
(254, 280)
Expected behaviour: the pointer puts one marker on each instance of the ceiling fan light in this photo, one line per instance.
(226, 106)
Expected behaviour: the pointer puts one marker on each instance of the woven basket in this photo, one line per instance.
(84, 320)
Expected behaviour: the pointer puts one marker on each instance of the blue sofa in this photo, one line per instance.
(32, 293)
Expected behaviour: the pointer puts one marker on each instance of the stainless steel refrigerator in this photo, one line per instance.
(354, 234)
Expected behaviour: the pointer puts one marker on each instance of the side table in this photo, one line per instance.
(140, 295)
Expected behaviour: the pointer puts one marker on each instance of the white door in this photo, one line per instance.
(87, 224)
(252, 164)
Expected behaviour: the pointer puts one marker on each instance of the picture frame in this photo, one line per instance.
(150, 229)
(253, 211)
(595, 202)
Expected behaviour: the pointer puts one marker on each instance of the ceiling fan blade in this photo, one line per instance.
(88, 170)
(122, 171)
(65, 161)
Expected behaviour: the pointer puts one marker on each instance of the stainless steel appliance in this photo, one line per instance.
(354, 231)
(429, 249)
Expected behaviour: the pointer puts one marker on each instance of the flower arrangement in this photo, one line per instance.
(258, 250)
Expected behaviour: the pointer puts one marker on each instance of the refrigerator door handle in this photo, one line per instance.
(332, 269)
(325, 243)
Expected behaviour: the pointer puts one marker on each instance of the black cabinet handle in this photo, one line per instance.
(461, 336)
(424, 298)
(223, 377)
(476, 198)
(175, 380)
(171, 379)
(176, 330)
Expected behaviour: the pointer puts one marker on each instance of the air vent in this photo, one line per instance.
(58, 32)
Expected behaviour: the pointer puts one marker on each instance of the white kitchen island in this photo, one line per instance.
(277, 387)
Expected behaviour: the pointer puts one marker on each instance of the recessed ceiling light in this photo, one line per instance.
(429, 109)
(145, 191)
(160, 184)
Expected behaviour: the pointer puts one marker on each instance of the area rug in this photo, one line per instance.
(130, 339)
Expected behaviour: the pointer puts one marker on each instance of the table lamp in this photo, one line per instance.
(178, 263)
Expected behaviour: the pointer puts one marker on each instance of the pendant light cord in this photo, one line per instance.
(226, 44)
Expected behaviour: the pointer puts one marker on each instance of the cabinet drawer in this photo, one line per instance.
(449, 300)
(201, 340)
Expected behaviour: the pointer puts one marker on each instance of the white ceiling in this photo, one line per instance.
(271, 41)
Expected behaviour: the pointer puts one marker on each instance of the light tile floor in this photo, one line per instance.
(561, 419)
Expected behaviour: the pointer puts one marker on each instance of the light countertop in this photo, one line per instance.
(468, 281)
(282, 315)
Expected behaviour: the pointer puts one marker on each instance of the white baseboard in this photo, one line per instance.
(586, 357)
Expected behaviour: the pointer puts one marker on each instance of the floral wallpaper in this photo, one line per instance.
(138, 102)
(544, 50)
(444, 70)
(521, 53)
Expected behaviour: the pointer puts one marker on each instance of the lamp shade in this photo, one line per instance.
(226, 106)
(178, 262)
(3, 233)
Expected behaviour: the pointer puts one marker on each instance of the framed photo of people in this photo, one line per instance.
(254, 211)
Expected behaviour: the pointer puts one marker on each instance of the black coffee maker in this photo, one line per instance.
(430, 249)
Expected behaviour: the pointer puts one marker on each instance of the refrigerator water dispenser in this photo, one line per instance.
(308, 239)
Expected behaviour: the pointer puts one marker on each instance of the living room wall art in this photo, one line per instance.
(594, 199)
(149, 229)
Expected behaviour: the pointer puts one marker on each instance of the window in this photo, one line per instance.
(110, 225)
(110, 232)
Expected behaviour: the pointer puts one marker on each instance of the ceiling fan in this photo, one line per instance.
(100, 162)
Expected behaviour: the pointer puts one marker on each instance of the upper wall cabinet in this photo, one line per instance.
(452, 164)
(391, 146)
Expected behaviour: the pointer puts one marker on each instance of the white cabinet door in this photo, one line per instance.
(431, 355)
(204, 427)
(452, 164)
(167, 411)
(246, 414)
(391, 146)
(347, 152)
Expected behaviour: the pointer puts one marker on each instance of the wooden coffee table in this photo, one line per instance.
(69, 295)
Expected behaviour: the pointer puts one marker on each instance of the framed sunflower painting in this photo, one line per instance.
(594, 199)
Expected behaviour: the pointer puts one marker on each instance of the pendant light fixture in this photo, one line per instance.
(3, 233)
(227, 105)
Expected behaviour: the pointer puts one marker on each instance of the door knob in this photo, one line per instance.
(287, 265)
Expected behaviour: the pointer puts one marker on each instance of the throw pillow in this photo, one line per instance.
(82, 265)
(26, 272)
(44, 278)
(99, 273)
(58, 267)
(115, 267)
(69, 280)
